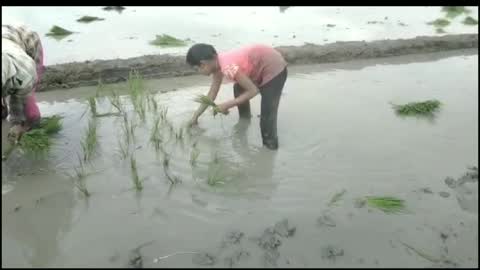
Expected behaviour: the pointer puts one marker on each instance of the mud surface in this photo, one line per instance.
(162, 66)
(275, 208)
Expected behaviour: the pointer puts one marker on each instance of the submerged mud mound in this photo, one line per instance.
(88, 73)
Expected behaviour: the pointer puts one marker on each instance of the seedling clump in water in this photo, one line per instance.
(418, 108)
(454, 11)
(79, 178)
(215, 178)
(167, 41)
(439, 23)
(470, 21)
(89, 19)
(57, 31)
(388, 205)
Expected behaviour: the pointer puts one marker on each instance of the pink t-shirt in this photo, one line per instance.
(260, 63)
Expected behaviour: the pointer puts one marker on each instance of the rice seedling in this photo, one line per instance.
(470, 21)
(57, 31)
(114, 99)
(123, 149)
(418, 108)
(216, 158)
(214, 177)
(136, 179)
(152, 103)
(155, 136)
(89, 142)
(194, 155)
(440, 31)
(163, 114)
(166, 169)
(93, 105)
(137, 93)
(179, 134)
(167, 41)
(337, 197)
(439, 23)
(207, 101)
(89, 19)
(79, 177)
(388, 205)
(454, 11)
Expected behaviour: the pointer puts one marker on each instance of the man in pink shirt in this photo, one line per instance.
(254, 69)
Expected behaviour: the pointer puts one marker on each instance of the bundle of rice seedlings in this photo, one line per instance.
(89, 142)
(470, 21)
(418, 108)
(439, 23)
(115, 8)
(51, 124)
(206, 100)
(136, 179)
(388, 205)
(57, 31)
(167, 41)
(89, 19)
(454, 11)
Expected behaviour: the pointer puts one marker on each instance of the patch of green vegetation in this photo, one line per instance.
(37, 140)
(89, 19)
(418, 108)
(155, 136)
(167, 41)
(57, 31)
(79, 178)
(439, 22)
(470, 21)
(454, 11)
(137, 93)
(388, 205)
(440, 31)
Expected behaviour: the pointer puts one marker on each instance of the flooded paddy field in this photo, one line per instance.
(222, 200)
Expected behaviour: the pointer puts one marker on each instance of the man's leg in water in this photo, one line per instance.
(271, 93)
(243, 109)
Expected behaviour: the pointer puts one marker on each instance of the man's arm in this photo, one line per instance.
(250, 88)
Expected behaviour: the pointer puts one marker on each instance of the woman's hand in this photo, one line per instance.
(16, 132)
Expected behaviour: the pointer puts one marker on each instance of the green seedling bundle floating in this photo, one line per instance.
(89, 19)
(418, 108)
(57, 31)
(470, 21)
(388, 205)
(440, 23)
(167, 41)
(454, 11)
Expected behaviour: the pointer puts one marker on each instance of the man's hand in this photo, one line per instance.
(16, 132)
(193, 122)
(223, 107)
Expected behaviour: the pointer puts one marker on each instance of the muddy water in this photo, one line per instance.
(337, 131)
(225, 27)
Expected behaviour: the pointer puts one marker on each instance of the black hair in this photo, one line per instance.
(199, 52)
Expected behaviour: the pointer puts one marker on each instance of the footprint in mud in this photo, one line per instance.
(204, 259)
(466, 189)
(232, 238)
(236, 257)
(326, 220)
(331, 252)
